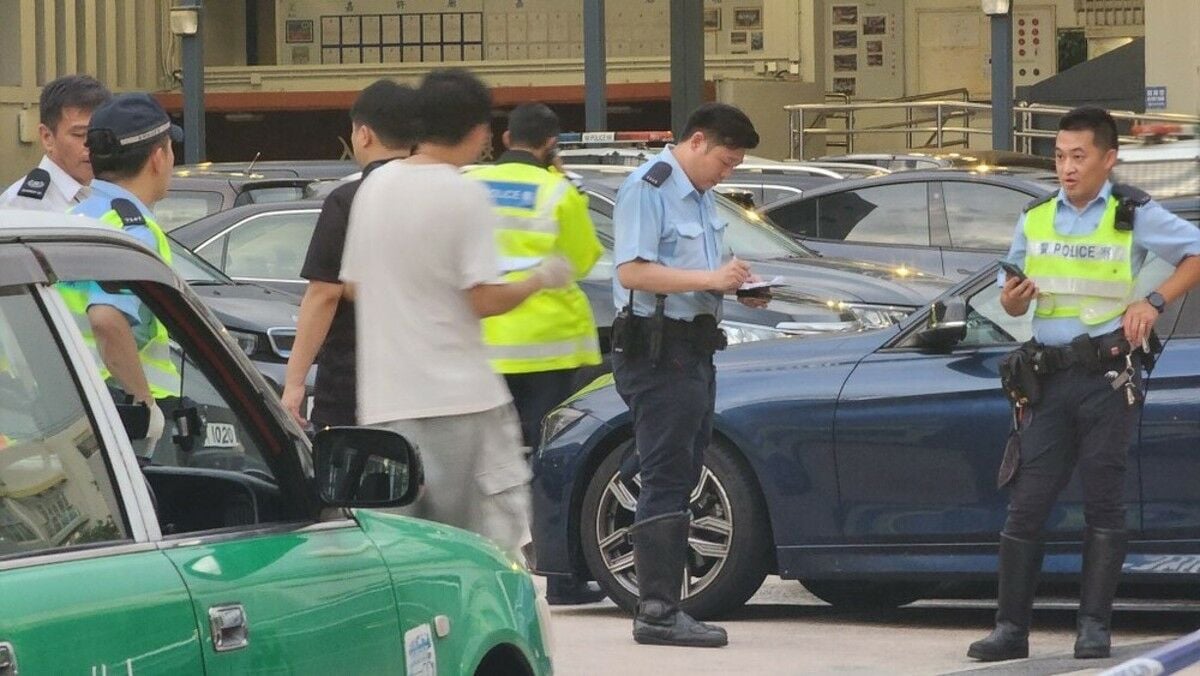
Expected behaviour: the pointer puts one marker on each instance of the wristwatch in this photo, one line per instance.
(1156, 301)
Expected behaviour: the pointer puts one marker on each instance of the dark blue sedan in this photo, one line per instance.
(864, 464)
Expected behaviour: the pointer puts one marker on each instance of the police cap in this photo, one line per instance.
(129, 121)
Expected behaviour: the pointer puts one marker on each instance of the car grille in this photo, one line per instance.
(281, 339)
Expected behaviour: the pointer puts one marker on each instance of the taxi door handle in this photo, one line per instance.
(229, 627)
(8, 659)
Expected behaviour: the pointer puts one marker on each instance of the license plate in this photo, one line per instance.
(220, 435)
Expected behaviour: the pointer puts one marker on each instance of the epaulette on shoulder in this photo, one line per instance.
(1128, 193)
(128, 211)
(37, 182)
(1039, 202)
(657, 174)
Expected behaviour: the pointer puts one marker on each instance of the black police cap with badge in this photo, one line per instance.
(127, 122)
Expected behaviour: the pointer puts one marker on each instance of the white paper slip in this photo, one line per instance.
(774, 281)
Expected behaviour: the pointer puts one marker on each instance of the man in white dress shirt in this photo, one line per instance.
(61, 179)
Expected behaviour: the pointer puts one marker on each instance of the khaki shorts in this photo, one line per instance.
(476, 474)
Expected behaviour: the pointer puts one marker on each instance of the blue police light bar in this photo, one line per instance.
(614, 137)
(1168, 659)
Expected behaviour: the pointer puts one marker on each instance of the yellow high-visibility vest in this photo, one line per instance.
(155, 356)
(1085, 276)
(541, 214)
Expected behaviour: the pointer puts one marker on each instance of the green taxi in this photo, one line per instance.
(232, 546)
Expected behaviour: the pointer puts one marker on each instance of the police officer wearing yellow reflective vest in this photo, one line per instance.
(1077, 386)
(540, 345)
(129, 139)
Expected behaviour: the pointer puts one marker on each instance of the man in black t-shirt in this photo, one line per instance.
(384, 128)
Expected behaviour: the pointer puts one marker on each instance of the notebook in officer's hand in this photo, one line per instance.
(775, 281)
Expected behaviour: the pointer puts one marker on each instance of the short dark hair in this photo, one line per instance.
(70, 91)
(532, 124)
(126, 163)
(723, 125)
(390, 110)
(452, 102)
(1101, 124)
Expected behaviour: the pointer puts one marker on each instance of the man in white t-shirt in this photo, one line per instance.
(421, 263)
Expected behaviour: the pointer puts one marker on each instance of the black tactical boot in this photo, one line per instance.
(571, 591)
(1103, 554)
(1020, 563)
(659, 556)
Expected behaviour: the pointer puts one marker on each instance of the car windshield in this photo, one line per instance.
(748, 234)
(193, 269)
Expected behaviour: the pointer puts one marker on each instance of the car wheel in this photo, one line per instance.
(729, 543)
(865, 595)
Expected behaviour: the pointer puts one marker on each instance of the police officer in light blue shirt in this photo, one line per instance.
(668, 251)
(1077, 389)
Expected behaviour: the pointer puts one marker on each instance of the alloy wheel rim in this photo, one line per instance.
(709, 536)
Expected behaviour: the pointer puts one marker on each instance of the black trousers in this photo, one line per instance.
(1080, 420)
(672, 407)
(535, 395)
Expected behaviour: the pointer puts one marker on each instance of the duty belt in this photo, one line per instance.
(701, 332)
(1091, 352)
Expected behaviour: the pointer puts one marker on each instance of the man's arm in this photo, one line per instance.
(489, 300)
(640, 275)
(312, 326)
(577, 234)
(118, 350)
(1174, 240)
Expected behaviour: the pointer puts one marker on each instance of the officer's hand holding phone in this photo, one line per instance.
(1019, 290)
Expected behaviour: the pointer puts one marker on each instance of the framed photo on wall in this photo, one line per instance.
(712, 19)
(298, 31)
(747, 17)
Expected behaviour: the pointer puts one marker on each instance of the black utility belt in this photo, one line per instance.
(1022, 369)
(637, 336)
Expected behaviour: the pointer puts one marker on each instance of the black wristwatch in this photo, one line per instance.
(1156, 301)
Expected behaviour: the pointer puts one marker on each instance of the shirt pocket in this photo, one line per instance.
(686, 238)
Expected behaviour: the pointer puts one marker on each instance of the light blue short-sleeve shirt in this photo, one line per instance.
(95, 206)
(672, 224)
(1155, 230)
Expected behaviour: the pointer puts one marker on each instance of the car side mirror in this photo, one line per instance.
(946, 325)
(365, 467)
(743, 198)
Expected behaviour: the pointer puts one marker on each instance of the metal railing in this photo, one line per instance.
(948, 123)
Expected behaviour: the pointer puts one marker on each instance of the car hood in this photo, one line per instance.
(842, 280)
(749, 361)
(249, 307)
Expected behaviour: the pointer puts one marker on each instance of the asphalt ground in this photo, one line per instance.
(786, 630)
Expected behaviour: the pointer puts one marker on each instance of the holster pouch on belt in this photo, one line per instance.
(707, 335)
(1019, 375)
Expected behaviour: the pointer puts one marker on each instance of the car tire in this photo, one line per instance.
(865, 595)
(730, 541)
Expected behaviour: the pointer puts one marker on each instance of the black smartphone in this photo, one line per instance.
(1012, 270)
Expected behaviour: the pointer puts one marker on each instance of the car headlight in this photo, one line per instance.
(737, 332)
(247, 342)
(558, 421)
(876, 316)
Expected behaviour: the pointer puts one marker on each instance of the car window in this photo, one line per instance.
(269, 195)
(798, 218)
(885, 214)
(982, 216)
(268, 246)
(192, 268)
(55, 484)
(603, 269)
(208, 470)
(185, 206)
